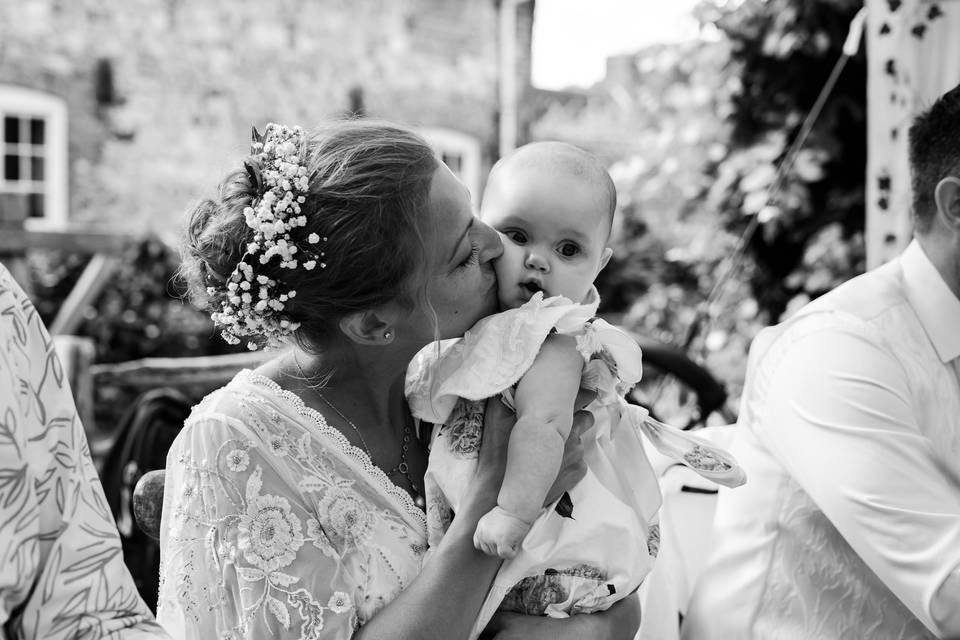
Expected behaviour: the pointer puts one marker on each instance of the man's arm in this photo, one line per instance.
(838, 416)
(60, 557)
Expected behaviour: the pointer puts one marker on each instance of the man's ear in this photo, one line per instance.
(947, 197)
(374, 327)
(605, 258)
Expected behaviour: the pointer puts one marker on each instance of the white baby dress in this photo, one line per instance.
(598, 542)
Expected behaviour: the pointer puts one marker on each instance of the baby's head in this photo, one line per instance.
(553, 205)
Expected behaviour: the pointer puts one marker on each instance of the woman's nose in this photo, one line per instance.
(535, 261)
(491, 247)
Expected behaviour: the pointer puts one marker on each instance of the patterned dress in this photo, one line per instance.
(596, 545)
(275, 526)
(61, 567)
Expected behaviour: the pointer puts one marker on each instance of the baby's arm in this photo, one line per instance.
(545, 404)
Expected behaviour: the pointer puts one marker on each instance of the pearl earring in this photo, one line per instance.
(387, 335)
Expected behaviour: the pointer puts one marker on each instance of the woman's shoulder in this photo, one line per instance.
(226, 402)
(251, 405)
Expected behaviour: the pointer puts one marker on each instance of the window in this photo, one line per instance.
(460, 152)
(33, 153)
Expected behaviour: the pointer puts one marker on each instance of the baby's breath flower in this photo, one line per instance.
(255, 304)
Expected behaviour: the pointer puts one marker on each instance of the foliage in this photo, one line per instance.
(810, 236)
(694, 140)
(139, 314)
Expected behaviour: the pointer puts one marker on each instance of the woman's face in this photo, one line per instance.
(461, 286)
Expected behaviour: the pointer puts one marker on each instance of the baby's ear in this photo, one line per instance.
(605, 258)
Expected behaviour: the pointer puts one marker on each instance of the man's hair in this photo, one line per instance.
(934, 139)
(565, 159)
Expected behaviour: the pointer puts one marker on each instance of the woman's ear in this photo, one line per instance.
(947, 197)
(374, 327)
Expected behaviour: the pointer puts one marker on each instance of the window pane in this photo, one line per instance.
(11, 167)
(37, 131)
(35, 205)
(453, 160)
(36, 168)
(11, 129)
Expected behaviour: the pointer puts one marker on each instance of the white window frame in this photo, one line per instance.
(451, 142)
(22, 102)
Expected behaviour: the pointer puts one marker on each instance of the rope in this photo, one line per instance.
(735, 260)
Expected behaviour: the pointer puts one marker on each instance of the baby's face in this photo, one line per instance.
(554, 230)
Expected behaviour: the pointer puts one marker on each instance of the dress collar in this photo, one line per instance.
(933, 301)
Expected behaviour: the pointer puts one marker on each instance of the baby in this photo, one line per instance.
(553, 205)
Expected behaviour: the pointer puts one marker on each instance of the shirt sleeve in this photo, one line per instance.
(61, 567)
(243, 554)
(838, 417)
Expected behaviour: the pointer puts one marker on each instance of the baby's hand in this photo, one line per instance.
(499, 533)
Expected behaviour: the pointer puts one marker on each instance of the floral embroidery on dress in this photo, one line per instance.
(339, 602)
(278, 528)
(350, 522)
(238, 460)
(311, 614)
(269, 533)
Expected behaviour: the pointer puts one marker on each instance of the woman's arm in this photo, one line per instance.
(444, 600)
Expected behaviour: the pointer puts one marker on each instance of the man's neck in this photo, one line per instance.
(944, 252)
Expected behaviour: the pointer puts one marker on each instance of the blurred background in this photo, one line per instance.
(736, 131)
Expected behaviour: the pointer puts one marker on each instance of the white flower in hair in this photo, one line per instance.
(255, 303)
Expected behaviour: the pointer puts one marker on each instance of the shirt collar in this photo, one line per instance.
(932, 300)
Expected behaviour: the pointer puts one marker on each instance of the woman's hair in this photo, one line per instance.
(369, 183)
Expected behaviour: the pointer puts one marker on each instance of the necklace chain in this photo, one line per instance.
(403, 467)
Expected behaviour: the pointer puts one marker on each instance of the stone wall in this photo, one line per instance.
(161, 94)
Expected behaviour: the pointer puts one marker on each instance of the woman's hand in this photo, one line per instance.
(620, 622)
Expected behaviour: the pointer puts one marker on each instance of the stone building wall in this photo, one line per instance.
(161, 94)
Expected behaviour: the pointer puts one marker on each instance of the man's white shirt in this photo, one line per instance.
(849, 525)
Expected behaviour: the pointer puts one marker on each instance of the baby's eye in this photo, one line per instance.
(568, 249)
(517, 236)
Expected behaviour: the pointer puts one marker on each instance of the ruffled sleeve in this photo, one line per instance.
(244, 555)
(706, 459)
(490, 358)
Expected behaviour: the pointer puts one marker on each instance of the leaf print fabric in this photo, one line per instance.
(61, 567)
(275, 526)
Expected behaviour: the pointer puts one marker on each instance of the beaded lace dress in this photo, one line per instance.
(275, 526)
